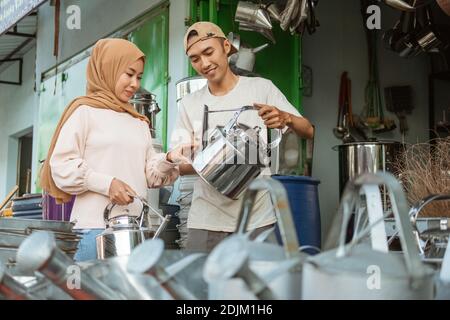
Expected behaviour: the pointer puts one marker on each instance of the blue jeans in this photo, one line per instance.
(87, 249)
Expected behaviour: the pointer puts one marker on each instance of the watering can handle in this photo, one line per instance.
(283, 212)
(416, 208)
(400, 210)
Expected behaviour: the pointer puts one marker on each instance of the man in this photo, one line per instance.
(213, 216)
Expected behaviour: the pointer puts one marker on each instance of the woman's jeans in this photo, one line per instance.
(87, 249)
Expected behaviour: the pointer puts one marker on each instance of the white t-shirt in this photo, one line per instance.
(210, 210)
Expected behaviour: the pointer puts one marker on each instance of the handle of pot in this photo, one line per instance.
(282, 211)
(107, 212)
(268, 146)
(399, 208)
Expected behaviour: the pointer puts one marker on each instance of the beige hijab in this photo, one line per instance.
(109, 59)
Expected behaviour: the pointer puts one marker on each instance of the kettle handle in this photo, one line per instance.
(399, 208)
(110, 206)
(235, 118)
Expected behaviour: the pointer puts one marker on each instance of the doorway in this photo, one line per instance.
(24, 163)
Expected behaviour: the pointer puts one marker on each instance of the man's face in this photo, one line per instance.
(210, 58)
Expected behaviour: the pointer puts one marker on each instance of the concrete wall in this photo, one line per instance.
(17, 107)
(340, 45)
(99, 19)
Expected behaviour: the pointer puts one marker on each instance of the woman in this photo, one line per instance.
(102, 150)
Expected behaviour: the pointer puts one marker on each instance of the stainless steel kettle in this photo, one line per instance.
(234, 156)
(124, 232)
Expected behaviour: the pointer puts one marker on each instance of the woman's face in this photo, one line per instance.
(129, 81)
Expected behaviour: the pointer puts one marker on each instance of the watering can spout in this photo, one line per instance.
(260, 48)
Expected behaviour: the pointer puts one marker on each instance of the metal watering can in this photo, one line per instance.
(357, 271)
(124, 232)
(166, 267)
(40, 253)
(234, 156)
(242, 269)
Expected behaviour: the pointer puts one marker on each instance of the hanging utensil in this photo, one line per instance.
(399, 4)
(253, 15)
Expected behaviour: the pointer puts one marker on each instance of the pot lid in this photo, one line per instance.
(142, 96)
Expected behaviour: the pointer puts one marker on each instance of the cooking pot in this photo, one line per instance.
(125, 232)
(355, 270)
(234, 156)
(145, 103)
(366, 157)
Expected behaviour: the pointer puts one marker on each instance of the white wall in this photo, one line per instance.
(340, 45)
(17, 107)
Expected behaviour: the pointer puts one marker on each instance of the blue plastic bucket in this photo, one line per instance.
(303, 197)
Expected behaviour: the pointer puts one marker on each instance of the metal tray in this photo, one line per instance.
(13, 240)
(51, 225)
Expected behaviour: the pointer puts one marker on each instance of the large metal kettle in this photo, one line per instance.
(124, 232)
(357, 271)
(234, 155)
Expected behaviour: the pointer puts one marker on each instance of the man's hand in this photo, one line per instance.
(273, 117)
(119, 192)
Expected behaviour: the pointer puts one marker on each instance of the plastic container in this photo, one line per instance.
(304, 202)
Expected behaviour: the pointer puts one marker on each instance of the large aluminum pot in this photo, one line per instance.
(234, 157)
(145, 103)
(123, 233)
(188, 85)
(358, 271)
(366, 157)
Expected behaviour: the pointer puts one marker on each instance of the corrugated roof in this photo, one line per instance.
(10, 43)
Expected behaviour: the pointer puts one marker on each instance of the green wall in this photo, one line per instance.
(279, 62)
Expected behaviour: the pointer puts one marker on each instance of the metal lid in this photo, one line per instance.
(142, 96)
(35, 251)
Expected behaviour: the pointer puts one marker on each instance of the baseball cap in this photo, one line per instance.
(205, 30)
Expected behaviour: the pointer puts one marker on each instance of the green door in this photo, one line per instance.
(153, 39)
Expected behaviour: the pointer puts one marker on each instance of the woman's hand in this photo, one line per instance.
(273, 117)
(183, 153)
(120, 193)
